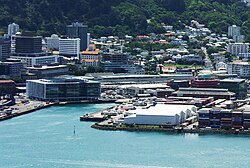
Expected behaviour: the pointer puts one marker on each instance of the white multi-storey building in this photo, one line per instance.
(233, 30)
(52, 42)
(237, 48)
(36, 59)
(13, 28)
(242, 69)
(69, 47)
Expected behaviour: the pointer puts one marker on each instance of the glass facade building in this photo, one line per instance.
(63, 89)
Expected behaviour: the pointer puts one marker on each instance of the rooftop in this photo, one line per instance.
(164, 110)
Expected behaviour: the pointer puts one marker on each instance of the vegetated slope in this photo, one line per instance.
(109, 17)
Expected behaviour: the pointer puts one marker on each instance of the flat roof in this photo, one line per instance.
(163, 110)
(47, 67)
(235, 80)
(6, 81)
(144, 86)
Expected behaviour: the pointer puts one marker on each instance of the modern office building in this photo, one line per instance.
(238, 86)
(63, 89)
(13, 28)
(52, 42)
(28, 48)
(69, 47)
(237, 48)
(78, 30)
(28, 43)
(4, 49)
(11, 68)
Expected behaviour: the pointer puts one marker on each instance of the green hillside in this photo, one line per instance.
(109, 17)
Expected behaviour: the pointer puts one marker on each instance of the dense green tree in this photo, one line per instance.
(120, 17)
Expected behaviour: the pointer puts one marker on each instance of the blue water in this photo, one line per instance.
(45, 139)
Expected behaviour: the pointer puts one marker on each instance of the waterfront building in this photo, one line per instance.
(237, 48)
(63, 89)
(7, 87)
(138, 89)
(176, 84)
(205, 92)
(69, 47)
(48, 71)
(52, 42)
(11, 68)
(13, 28)
(78, 30)
(129, 79)
(161, 114)
(4, 49)
(238, 86)
(242, 69)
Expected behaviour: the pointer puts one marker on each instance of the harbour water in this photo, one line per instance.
(46, 139)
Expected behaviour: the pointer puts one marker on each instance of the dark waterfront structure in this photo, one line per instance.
(7, 87)
(238, 86)
(63, 89)
(11, 68)
(4, 49)
(78, 30)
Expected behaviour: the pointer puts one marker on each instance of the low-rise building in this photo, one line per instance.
(161, 114)
(91, 57)
(63, 89)
(48, 71)
(205, 92)
(30, 60)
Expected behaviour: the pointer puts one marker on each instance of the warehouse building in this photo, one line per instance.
(161, 114)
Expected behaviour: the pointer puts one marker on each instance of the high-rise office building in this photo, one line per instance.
(28, 48)
(52, 42)
(28, 43)
(13, 28)
(69, 47)
(4, 49)
(78, 30)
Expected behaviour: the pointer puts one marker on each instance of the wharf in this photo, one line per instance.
(98, 116)
(147, 128)
(100, 101)
(25, 110)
